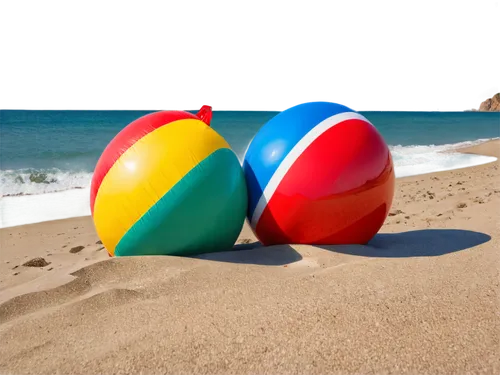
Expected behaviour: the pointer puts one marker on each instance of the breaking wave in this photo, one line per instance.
(419, 159)
(33, 181)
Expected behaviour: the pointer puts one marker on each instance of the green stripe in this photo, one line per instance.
(203, 212)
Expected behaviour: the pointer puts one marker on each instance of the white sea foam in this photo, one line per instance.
(420, 160)
(41, 181)
(416, 160)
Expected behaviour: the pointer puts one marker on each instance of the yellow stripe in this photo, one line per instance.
(146, 171)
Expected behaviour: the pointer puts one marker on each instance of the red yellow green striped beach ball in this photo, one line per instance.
(168, 184)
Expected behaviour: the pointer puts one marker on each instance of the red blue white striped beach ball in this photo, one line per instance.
(318, 173)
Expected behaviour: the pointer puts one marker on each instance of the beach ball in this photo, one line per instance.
(168, 184)
(318, 173)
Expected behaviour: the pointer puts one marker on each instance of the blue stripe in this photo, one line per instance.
(276, 139)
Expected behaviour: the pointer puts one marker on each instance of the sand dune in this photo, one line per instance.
(421, 297)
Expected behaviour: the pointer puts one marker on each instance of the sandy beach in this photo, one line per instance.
(422, 298)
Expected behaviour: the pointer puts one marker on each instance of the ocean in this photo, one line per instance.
(47, 157)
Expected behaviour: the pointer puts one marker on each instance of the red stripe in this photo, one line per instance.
(125, 139)
(338, 191)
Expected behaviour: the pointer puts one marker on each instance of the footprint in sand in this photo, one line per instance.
(395, 212)
(86, 279)
(76, 249)
(36, 262)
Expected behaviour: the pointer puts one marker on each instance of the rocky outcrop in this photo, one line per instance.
(491, 105)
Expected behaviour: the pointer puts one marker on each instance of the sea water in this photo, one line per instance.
(47, 157)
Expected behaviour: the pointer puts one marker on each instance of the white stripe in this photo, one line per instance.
(294, 154)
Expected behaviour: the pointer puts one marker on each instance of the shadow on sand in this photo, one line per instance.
(255, 253)
(418, 243)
